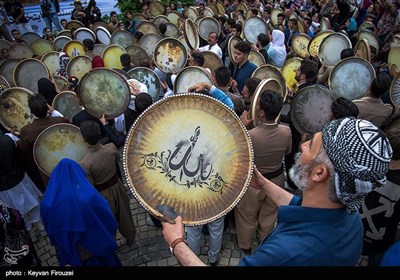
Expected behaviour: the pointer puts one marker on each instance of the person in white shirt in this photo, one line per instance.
(212, 45)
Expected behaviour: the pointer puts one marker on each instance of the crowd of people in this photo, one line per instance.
(314, 200)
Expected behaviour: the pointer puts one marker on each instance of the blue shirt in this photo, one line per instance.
(307, 236)
(240, 74)
(221, 96)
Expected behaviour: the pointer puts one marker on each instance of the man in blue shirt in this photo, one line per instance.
(241, 67)
(335, 171)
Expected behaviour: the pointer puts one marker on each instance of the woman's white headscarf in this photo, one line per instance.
(277, 49)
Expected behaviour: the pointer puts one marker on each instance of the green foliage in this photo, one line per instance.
(135, 5)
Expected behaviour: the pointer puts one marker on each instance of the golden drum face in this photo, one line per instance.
(189, 152)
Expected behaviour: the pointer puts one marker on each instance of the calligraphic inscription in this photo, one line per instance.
(175, 165)
(189, 152)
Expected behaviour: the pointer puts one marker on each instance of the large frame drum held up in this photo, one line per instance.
(21, 51)
(52, 61)
(36, 70)
(289, 72)
(212, 61)
(191, 170)
(170, 55)
(111, 56)
(300, 44)
(311, 109)
(104, 91)
(231, 46)
(7, 69)
(66, 102)
(149, 78)
(331, 47)
(313, 45)
(269, 71)
(253, 27)
(15, 112)
(208, 25)
(78, 66)
(363, 49)
(394, 91)
(190, 76)
(191, 34)
(57, 142)
(267, 84)
(345, 78)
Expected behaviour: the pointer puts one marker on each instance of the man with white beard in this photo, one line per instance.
(335, 170)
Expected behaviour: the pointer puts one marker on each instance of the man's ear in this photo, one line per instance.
(319, 173)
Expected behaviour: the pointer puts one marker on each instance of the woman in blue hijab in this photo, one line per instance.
(78, 220)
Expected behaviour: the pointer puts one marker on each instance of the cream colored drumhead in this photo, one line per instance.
(30, 37)
(15, 112)
(42, 46)
(191, 170)
(148, 42)
(57, 142)
(300, 44)
(21, 51)
(212, 61)
(170, 55)
(256, 58)
(191, 34)
(331, 47)
(51, 61)
(264, 85)
(147, 27)
(79, 66)
(372, 39)
(123, 38)
(104, 91)
(7, 70)
(156, 8)
(66, 102)
(61, 82)
(36, 70)
(111, 56)
(269, 71)
(362, 49)
(190, 76)
(192, 13)
(60, 42)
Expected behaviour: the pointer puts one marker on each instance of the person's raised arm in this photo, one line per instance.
(278, 195)
(174, 235)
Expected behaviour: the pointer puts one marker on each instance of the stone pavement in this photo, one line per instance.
(149, 248)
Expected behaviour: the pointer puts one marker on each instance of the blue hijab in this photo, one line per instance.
(74, 213)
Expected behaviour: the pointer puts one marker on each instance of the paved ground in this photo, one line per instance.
(150, 248)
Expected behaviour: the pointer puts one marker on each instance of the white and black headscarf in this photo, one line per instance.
(360, 153)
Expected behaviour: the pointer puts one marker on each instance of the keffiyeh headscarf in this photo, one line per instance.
(63, 60)
(360, 153)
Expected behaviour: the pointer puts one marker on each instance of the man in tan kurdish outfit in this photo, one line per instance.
(256, 213)
(101, 167)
